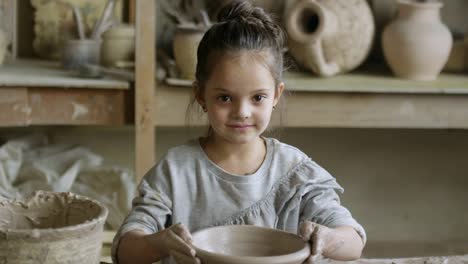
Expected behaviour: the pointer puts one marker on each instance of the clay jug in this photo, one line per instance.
(329, 36)
(417, 44)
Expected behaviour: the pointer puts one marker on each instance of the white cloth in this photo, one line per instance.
(30, 163)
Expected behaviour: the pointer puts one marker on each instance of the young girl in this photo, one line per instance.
(235, 175)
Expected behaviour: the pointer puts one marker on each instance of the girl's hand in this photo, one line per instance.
(320, 238)
(177, 242)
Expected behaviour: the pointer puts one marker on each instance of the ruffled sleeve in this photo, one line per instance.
(320, 202)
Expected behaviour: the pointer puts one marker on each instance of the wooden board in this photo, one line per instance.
(376, 81)
(341, 109)
(144, 87)
(20, 106)
(33, 73)
(14, 108)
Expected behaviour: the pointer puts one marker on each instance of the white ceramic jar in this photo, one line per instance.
(118, 44)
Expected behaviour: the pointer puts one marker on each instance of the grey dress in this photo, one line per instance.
(186, 187)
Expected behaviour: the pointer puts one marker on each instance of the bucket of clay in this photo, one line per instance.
(51, 228)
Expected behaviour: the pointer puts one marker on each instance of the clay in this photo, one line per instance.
(240, 244)
(51, 228)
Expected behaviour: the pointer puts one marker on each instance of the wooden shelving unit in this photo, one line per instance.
(367, 99)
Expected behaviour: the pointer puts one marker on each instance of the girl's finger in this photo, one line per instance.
(318, 241)
(183, 232)
(176, 243)
(306, 229)
(181, 258)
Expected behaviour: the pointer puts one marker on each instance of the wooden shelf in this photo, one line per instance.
(354, 100)
(34, 93)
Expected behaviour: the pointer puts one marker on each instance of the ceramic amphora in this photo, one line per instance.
(329, 36)
(417, 44)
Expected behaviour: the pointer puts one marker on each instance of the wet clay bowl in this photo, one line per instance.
(241, 244)
(51, 228)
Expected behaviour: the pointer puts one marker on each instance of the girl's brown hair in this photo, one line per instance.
(241, 27)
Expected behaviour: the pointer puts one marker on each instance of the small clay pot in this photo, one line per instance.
(185, 46)
(241, 244)
(118, 45)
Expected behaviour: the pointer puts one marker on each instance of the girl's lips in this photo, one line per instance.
(240, 126)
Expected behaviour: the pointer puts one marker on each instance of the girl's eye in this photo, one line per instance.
(224, 98)
(258, 98)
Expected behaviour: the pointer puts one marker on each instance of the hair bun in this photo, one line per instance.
(235, 10)
(243, 10)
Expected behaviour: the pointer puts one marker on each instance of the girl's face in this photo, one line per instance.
(239, 97)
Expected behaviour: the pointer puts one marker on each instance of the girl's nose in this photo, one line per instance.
(242, 111)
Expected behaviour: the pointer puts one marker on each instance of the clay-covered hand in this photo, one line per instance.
(178, 243)
(320, 238)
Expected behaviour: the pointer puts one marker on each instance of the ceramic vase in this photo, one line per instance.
(417, 44)
(185, 46)
(329, 37)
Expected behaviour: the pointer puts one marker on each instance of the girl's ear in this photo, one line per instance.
(197, 92)
(278, 93)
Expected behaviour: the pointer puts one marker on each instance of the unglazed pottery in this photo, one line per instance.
(241, 244)
(118, 44)
(51, 228)
(185, 45)
(329, 36)
(417, 44)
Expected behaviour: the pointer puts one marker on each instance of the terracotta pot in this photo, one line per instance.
(417, 44)
(185, 45)
(241, 244)
(329, 36)
(118, 44)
